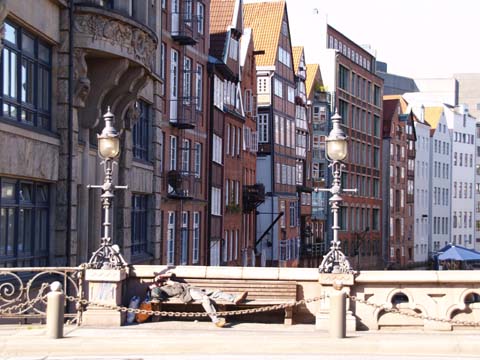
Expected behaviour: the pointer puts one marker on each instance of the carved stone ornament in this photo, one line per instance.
(138, 43)
(82, 82)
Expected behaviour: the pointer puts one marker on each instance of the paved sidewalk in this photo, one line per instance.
(170, 338)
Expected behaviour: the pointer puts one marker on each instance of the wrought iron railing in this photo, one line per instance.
(23, 290)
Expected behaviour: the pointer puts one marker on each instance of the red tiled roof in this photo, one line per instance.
(221, 19)
(221, 15)
(313, 77)
(297, 52)
(265, 18)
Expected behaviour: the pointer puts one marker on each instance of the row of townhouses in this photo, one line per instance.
(222, 124)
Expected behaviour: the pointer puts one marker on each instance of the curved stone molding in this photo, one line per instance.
(124, 37)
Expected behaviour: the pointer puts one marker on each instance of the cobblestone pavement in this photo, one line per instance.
(188, 340)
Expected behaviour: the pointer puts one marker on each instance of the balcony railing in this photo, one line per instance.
(181, 185)
(253, 196)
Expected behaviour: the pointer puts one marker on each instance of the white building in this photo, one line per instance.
(462, 127)
(422, 189)
(440, 177)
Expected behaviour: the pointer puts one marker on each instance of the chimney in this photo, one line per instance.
(422, 113)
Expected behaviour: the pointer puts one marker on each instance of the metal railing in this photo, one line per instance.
(23, 290)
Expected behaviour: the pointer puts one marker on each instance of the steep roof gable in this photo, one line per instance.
(225, 15)
(297, 52)
(265, 19)
(314, 78)
(433, 115)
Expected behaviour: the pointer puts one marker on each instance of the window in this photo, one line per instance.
(218, 92)
(199, 87)
(200, 18)
(217, 149)
(139, 224)
(141, 132)
(198, 160)
(24, 223)
(184, 238)
(187, 80)
(196, 238)
(225, 247)
(292, 214)
(216, 201)
(185, 156)
(278, 88)
(291, 94)
(284, 57)
(263, 128)
(343, 77)
(233, 53)
(377, 95)
(162, 60)
(263, 85)
(171, 238)
(173, 152)
(188, 12)
(26, 70)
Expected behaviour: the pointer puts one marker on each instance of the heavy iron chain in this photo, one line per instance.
(194, 314)
(416, 316)
(11, 309)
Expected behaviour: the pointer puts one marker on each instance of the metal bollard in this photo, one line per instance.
(55, 311)
(338, 308)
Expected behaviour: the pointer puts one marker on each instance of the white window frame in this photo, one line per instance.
(278, 88)
(198, 160)
(233, 51)
(199, 87)
(217, 155)
(263, 128)
(187, 80)
(186, 156)
(196, 238)
(216, 201)
(173, 152)
(171, 238)
(200, 17)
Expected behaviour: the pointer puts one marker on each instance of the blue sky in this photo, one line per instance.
(417, 38)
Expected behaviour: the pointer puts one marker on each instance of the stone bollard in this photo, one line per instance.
(55, 311)
(338, 307)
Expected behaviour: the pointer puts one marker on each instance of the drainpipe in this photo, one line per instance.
(70, 132)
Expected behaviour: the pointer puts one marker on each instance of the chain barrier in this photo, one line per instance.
(416, 316)
(29, 303)
(193, 314)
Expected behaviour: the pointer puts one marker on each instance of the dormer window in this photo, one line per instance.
(233, 53)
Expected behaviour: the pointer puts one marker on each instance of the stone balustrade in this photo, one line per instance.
(438, 294)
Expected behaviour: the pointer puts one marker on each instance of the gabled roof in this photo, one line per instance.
(314, 77)
(390, 107)
(265, 18)
(405, 107)
(433, 115)
(223, 17)
(297, 52)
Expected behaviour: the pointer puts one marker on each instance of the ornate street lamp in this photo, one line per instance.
(337, 150)
(108, 255)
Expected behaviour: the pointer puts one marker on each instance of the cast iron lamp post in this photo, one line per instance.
(337, 150)
(108, 255)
